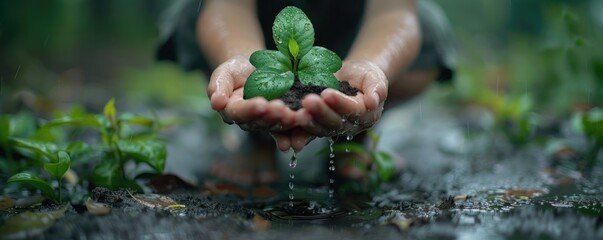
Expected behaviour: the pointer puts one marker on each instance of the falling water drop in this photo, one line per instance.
(349, 137)
(293, 161)
(291, 175)
(291, 197)
(332, 168)
(331, 181)
(291, 185)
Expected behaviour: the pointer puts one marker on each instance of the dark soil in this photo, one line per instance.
(298, 91)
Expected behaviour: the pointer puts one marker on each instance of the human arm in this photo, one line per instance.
(388, 42)
(228, 32)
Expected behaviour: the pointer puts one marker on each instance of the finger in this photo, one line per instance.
(242, 111)
(306, 121)
(321, 113)
(375, 89)
(283, 141)
(343, 104)
(300, 138)
(219, 89)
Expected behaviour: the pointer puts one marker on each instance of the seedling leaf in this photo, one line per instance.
(320, 59)
(152, 153)
(34, 181)
(108, 174)
(270, 59)
(42, 148)
(111, 112)
(58, 169)
(292, 23)
(319, 79)
(385, 165)
(268, 83)
(293, 48)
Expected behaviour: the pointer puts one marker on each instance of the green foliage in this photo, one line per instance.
(378, 167)
(275, 71)
(123, 137)
(56, 168)
(590, 125)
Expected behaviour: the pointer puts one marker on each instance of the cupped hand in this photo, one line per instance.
(225, 91)
(334, 113)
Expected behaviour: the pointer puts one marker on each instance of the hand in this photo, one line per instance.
(225, 91)
(334, 113)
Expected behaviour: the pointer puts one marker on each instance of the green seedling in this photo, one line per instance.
(590, 125)
(377, 166)
(57, 168)
(296, 57)
(124, 138)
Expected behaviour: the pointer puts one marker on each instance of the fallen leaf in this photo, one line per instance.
(461, 197)
(526, 192)
(6, 202)
(96, 208)
(402, 224)
(29, 224)
(260, 223)
(155, 200)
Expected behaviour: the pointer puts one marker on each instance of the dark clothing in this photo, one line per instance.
(336, 24)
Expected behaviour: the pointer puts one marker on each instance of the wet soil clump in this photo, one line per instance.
(298, 91)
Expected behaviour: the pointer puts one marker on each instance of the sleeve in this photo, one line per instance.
(438, 49)
(177, 40)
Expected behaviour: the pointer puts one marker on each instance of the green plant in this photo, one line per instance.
(57, 167)
(376, 166)
(296, 57)
(590, 125)
(124, 138)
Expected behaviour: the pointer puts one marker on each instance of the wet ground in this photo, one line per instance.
(454, 187)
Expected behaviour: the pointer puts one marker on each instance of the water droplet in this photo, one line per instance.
(332, 168)
(293, 161)
(291, 175)
(291, 185)
(347, 150)
(343, 120)
(331, 155)
(331, 180)
(291, 197)
(349, 137)
(331, 161)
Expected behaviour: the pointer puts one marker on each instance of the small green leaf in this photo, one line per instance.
(292, 23)
(34, 181)
(293, 48)
(152, 153)
(270, 59)
(385, 165)
(83, 121)
(320, 59)
(108, 174)
(319, 79)
(111, 112)
(268, 83)
(59, 168)
(42, 148)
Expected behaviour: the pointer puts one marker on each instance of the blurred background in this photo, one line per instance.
(57, 53)
(529, 63)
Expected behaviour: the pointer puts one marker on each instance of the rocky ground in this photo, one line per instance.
(453, 187)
